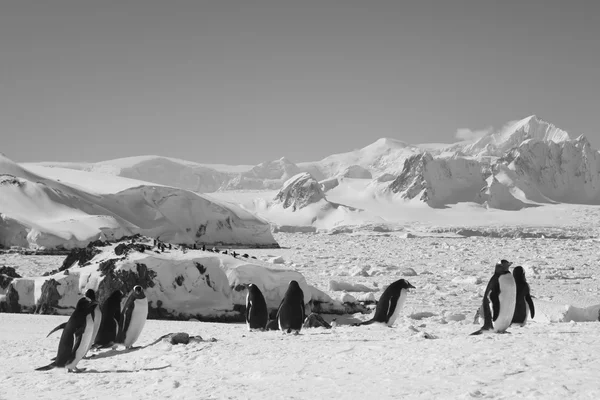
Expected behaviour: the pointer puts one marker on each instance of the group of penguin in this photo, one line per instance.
(506, 300)
(93, 326)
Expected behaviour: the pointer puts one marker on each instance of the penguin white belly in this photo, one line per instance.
(399, 306)
(97, 320)
(86, 341)
(138, 319)
(507, 299)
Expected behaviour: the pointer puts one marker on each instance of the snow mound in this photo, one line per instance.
(179, 283)
(38, 211)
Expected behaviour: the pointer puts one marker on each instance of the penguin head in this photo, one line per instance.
(85, 305)
(90, 294)
(293, 285)
(519, 273)
(138, 292)
(404, 284)
(502, 267)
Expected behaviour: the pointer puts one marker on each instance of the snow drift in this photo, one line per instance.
(38, 211)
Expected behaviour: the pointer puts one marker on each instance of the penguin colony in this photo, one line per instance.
(507, 300)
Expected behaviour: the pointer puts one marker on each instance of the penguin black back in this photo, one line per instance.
(111, 315)
(257, 314)
(524, 300)
(290, 315)
(390, 303)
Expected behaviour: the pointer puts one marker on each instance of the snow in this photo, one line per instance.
(427, 354)
(69, 208)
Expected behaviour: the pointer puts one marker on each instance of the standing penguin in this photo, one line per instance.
(257, 314)
(133, 317)
(76, 337)
(524, 305)
(290, 315)
(499, 300)
(109, 326)
(390, 303)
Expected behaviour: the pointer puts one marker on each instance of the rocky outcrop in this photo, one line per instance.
(7, 274)
(300, 191)
(179, 284)
(439, 181)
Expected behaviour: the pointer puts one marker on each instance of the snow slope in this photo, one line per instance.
(76, 207)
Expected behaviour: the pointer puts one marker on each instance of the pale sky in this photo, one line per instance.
(242, 82)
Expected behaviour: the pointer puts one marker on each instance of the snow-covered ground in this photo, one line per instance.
(427, 354)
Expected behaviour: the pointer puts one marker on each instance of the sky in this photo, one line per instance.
(242, 82)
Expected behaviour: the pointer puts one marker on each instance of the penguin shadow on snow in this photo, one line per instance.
(123, 371)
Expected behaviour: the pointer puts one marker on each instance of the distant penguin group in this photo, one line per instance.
(506, 299)
(99, 326)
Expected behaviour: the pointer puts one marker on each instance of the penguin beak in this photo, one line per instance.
(410, 286)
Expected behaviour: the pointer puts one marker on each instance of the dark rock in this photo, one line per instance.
(7, 274)
(107, 267)
(83, 256)
(124, 280)
(179, 338)
(9, 271)
(12, 301)
(126, 248)
(315, 321)
(48, 301)
(179, 280)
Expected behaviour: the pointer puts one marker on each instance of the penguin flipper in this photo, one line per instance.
(46, 367)
(392, 305)
(61, 326)
(494, 298)
(531, 306)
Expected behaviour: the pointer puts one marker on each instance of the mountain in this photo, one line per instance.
(383, 156)
(264, 176)
(203, 178)
(78, 207)
(527, 162)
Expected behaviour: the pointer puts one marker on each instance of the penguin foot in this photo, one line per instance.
(75, 370)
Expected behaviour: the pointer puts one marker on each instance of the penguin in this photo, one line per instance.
(524, 304)
(390, 303)
(90, 294)
(291, 313)
(499, 300)
(111, 315)
(133, 317)
(76, 337)
(96, 315)
(257, 314)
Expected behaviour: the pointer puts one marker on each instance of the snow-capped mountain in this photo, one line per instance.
(78, 207)
(526, 162)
